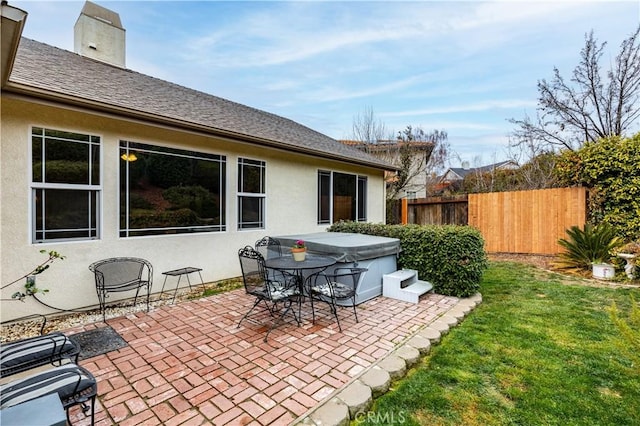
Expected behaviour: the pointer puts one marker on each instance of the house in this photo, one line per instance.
(455, 175)
(100, 161)
(391, 151)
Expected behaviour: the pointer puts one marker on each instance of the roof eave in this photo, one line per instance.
(12, 24)
(54, 97)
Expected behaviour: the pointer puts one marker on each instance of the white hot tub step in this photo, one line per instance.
(421, 287)
(404, 285)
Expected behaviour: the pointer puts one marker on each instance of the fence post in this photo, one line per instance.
(404, 211)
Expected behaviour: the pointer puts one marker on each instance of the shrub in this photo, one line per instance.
(166, 171)
(610, 168)
(194, 197)
(451, 257)
(62, 171)
(592, 244)
(141, 219)
(137, 201)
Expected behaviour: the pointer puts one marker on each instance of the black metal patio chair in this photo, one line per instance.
(269, 247)
(264, 288)
(340, 285)
(119, 274)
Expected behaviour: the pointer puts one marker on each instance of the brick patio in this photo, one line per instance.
(189, 363)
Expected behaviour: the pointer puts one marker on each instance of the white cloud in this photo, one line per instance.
(475, 107)
(462, 66)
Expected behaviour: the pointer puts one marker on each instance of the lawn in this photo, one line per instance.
(539, 350)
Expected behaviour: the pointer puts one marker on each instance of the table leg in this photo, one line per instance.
(201, 281)
(300, 276)
(162, 291)
(176, 290)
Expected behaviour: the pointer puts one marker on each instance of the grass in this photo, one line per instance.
(537, 351)
(215, 288)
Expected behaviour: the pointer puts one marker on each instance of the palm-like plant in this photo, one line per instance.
(583, 247)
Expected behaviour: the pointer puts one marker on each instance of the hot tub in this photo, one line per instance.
(377, 254)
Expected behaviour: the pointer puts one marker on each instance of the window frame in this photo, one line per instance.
(40, 188)
(124, 149)
(362, 186)
(326, 210)
(260, 196)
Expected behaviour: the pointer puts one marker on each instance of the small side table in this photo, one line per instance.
(179, 273)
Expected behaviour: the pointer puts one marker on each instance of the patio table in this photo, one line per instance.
(311, 262)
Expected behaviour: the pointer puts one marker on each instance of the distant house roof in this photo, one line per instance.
(387, 145)
(459, 173)
(51, 73)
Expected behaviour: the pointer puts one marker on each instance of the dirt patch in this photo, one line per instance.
(540, 261)
(545, 263)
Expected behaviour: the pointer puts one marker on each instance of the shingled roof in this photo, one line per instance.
(462, 172)
(51, 73)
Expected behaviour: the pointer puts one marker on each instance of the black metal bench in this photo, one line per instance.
(119, 274)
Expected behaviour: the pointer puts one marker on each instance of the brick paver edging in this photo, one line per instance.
(355, 398)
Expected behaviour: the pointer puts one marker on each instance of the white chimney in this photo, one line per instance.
(98, 34)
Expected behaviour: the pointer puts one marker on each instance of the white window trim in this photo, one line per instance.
(223, 187)
(262, 195)
(78, 187)
(331, 173)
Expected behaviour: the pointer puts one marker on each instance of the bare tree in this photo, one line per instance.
(440, 153)
(587, 107)
(418, 154)
(367, 128)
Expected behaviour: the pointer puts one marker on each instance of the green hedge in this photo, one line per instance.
(141, 219)
(611, 168)
(451, 257)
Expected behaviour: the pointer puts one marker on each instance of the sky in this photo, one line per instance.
(465, 67)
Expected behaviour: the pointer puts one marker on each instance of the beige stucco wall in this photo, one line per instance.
(291, 207)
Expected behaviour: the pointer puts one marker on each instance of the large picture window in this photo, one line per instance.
(170, 191)
(65, 185)
(251, 193)
(341, 196)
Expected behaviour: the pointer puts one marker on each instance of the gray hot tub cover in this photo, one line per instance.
(344, 247)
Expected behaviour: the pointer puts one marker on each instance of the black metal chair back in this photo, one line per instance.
(269, 247)
(118, 274)
(340, 285)
(257, 283)
(349, 280)
(253, 272)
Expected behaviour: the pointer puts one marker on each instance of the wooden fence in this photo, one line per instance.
(438, 210)
(511, 222)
